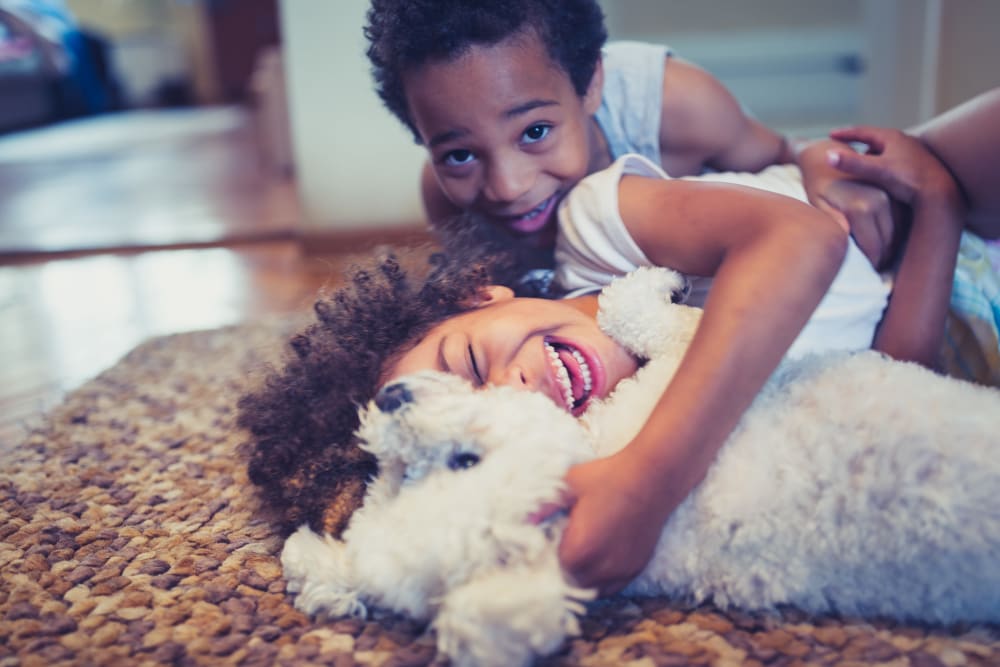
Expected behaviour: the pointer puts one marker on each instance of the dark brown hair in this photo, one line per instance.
(301, 420)
(405, 34)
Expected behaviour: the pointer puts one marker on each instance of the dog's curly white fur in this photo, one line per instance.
(854, 484)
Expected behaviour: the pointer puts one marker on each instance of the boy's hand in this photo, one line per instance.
(862, 208)
(614, 523)
(895, 161)
(912, 327)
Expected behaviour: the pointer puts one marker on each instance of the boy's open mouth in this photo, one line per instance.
(534, 220)
(573, 375)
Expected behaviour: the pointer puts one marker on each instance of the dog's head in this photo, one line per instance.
(437, 425)
(460, 471)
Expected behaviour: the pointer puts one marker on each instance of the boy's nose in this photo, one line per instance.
(507, 182)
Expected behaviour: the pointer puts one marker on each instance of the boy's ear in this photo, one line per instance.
(592, 98)
(493, 294)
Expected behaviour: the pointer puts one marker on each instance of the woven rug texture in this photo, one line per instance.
(129, 535)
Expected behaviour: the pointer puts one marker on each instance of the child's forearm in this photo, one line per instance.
(761, 298)
(912, 328)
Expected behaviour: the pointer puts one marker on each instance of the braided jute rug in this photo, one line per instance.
(130, 536)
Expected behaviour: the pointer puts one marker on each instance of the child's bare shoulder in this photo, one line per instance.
(700, 118)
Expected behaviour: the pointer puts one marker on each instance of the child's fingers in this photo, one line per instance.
(870, 168)
(550, 508)
(544, 512)
(873, 137)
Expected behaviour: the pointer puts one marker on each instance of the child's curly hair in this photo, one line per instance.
(405, 34)
(302, 452)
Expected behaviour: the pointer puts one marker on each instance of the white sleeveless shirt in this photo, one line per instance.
(593, 246)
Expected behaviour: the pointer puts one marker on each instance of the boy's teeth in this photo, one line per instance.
(562, 375)
(533, 212)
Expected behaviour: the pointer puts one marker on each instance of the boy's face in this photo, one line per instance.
(553, 347)
(507, 133)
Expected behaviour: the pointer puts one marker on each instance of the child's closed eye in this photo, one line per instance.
(476, 373)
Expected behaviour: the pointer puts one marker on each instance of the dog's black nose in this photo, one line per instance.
(392, 397)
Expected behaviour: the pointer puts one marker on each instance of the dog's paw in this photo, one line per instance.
(317, 598)
(318, 572)
(509, 617)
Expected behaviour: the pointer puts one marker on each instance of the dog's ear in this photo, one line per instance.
(387, 483)
(375, 440)
(641, 312)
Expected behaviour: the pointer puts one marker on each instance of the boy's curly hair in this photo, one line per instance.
(302, 452)
(405, 34)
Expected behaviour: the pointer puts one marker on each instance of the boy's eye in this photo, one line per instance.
(536, 133)
(458, 157)
(475, 368)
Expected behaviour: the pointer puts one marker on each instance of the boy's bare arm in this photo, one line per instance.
(912, 328)
(702, 124)
(773, 259)
(966, 139)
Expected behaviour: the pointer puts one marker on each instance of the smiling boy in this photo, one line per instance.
(515, 104)
(517, 101)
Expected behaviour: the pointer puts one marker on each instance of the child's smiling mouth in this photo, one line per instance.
(573, 374)
(534, 220)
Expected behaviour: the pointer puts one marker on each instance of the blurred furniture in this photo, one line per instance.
(52, 69)
(28, 73)
(240, 30)
(269, 100)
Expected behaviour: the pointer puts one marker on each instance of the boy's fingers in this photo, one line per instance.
(865, 167)
(870, 169)
(874, 137)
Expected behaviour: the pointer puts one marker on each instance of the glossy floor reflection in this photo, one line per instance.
(152, 181)
(143, 178)
(63, 321)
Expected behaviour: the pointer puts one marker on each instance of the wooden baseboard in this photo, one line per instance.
(336, 241)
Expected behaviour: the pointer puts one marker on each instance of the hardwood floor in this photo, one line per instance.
(132, 226)
(140, 179)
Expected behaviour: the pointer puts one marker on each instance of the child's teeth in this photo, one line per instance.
(533, 212)
(584, 369)
(562, 375)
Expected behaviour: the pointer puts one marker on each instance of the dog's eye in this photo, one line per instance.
(462, 460)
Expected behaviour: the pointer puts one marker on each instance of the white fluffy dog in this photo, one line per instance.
(853, 485)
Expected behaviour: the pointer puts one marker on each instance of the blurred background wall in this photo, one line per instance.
(356, 165)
